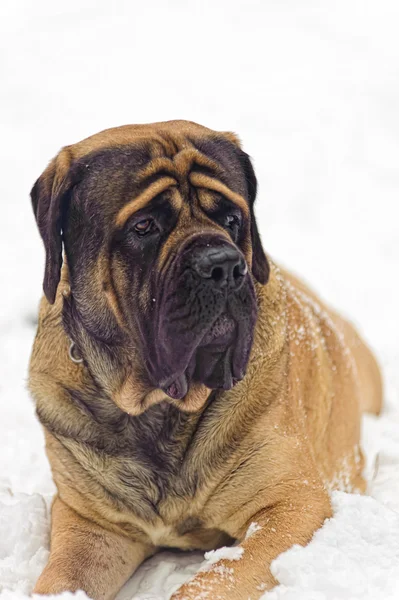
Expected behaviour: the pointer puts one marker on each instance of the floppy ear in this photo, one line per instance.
(260, 264)
(50, 196)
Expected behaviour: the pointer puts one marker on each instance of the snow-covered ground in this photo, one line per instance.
(312, 87)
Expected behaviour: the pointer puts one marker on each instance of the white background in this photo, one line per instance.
(312, 88)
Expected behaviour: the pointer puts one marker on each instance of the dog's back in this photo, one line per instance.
(343, 380)
(369, 372)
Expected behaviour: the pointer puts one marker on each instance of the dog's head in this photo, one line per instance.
(162, 246)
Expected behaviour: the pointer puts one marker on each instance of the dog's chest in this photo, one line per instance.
(154, 469)
(148, 459)
(155, 475)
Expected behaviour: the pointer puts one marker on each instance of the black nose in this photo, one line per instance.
(224, 266)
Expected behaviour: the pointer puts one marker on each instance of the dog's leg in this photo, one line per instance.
(85, 556)
(275, 529)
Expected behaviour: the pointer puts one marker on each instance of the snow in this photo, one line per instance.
(358, 549)
(24, 530)
(253, 528)
(224, 553)
(312, 88)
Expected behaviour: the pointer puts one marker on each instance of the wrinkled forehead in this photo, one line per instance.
(115, 176)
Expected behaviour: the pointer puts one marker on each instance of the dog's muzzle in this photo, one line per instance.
(205, 318)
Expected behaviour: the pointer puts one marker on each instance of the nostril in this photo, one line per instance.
(217, 274)
(240, 270)
(237, 272)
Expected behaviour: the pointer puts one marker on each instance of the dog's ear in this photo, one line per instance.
(50, 198)
(260, 264)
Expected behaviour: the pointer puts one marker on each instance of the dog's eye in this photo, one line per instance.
(145, 226)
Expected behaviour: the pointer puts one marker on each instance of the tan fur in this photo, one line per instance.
(139, 202)
(268, 453)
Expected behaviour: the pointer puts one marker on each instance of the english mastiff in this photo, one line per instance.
(193, 394)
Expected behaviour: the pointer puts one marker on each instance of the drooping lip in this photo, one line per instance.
(222, 331)
(219, 358)
(216, 343)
